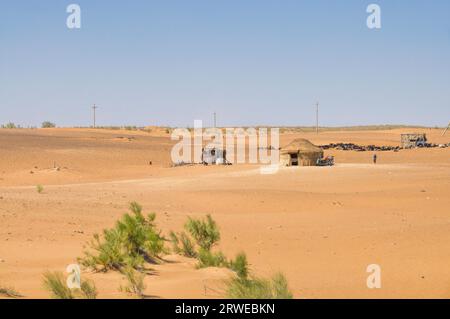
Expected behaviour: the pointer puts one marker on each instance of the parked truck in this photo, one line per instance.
(413, 140)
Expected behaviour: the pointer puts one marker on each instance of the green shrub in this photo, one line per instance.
(206, 233)
(132, 241)
(88, 290)
(40, 189)
(280, 287)
(9, 292)
(240, 265)
(108, 254)
(48, 124)
(258, 288)
(139, 234)
(187, 247)
(206, 258)
(56, 284)
(135, 282)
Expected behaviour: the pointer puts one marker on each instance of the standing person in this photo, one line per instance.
(374, 158)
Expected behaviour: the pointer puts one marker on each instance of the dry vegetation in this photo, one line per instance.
(55, 284)
(9, 292)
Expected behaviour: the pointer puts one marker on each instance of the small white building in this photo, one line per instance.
(214, 156)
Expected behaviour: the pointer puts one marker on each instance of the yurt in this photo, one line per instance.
(300, 152)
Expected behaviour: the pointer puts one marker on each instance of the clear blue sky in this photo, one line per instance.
(253, 61)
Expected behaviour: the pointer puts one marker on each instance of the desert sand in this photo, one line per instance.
(320, 226)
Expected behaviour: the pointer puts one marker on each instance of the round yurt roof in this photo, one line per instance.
(301, 145)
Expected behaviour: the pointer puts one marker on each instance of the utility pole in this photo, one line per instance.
(317, 118)
(445, 131)
(215, 120)
(94, 108)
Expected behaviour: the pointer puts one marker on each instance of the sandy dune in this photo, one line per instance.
(320, 226)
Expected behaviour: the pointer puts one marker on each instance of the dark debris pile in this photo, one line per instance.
(365, 148)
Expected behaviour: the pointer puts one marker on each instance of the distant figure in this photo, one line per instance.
(374, 158)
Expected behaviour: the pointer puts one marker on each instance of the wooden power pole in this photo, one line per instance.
(94, 108)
